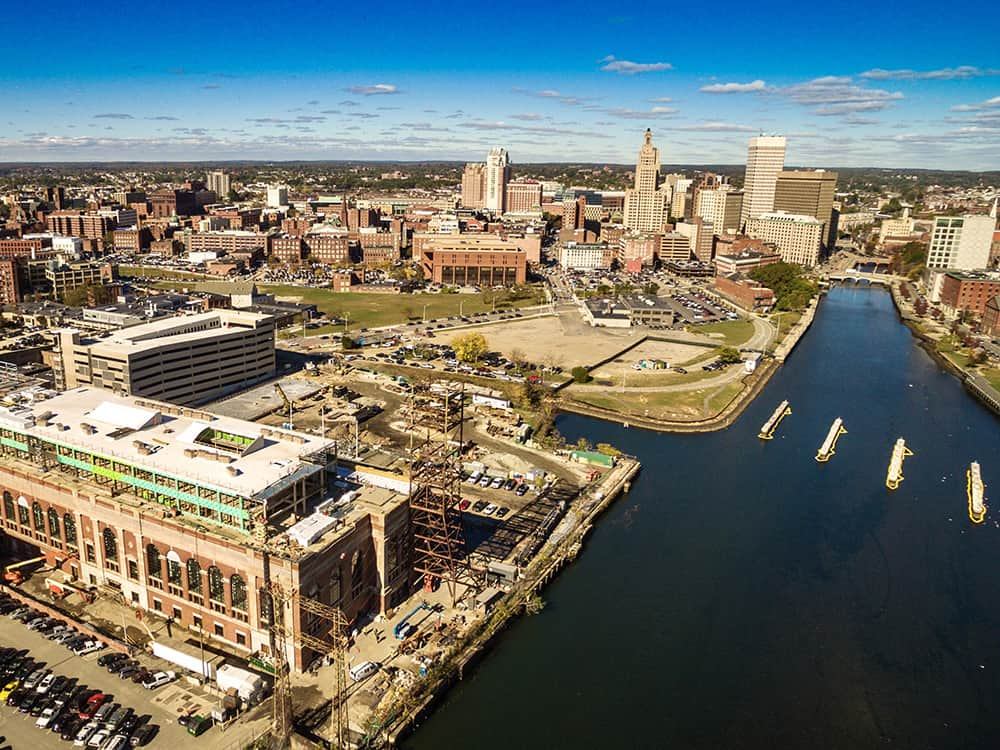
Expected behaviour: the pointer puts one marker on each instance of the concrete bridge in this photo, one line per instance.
(857, 277)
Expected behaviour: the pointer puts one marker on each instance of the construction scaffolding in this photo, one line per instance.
(336, 648)
(439, 555)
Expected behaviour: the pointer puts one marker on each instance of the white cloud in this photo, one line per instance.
(838, 95)
(373, 89)
(941, 74)
(717, 127)
(988, 104)
(734, 88)
(661, 100)
(629, 68)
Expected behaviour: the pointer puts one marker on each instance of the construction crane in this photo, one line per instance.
(286, 401)
(13, 576)
(281, 727)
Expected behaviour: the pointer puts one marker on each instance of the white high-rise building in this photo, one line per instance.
(721, 206)
(277, 196)
(218, 183)
(799, 238)
(961, 243)
(646, 204)
(497, 177)
(765, 161)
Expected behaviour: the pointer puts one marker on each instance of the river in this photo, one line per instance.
(745, 596)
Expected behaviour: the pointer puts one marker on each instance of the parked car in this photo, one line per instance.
(84, 733)
(89, 646)
(198, 725)
(7, 689)
(489, 510)
(158, 679)
(45, 718)
(144, 734)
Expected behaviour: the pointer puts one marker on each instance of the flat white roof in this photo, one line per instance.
(100, 422)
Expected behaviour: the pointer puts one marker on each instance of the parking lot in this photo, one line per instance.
(161, 705)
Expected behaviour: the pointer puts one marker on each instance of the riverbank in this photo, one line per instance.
(726, 412)
(398, 720)
(973, 381)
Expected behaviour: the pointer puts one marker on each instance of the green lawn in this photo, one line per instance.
(683, 405)
(374, 310)
(785, 321)
(155, 272)
(993, 376)
(734, 332)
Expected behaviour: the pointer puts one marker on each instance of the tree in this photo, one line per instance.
(87, 295)
(518, 357)
(791, 290)
(580, 374)
(728, 355)
(346, 342)
(651, 288)
(470, 347)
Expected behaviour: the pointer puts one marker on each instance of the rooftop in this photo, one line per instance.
(235, 456)
(178, 329)
(791, 218)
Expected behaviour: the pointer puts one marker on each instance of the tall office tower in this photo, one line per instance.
(497, 177)
(721, 206)
(218, 183)
(474, 185)
(277, 196)
(680, 198)
(961, 243)
(765, 160)
(809, 193)
(524, 196)
(646, 203)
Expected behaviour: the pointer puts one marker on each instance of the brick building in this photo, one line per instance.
(474, 260)
(969, 291)
(745, 292)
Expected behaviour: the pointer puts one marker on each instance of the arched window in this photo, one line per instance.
(216, 586)
(38, 516)
(23, 512)
(8, 507)
(238, 592)
(335, 577)
(54, 523)
(69, 526)
(173, 569)
(194, 576)
(153, 561)
(110, 544)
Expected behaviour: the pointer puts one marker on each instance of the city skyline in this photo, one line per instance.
(583, 95)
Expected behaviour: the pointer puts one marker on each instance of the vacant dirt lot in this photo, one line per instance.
(564, 341)
(671, 353)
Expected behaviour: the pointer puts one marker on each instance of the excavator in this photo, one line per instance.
(13, 576)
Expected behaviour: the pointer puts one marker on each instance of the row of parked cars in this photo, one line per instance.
(86, 716)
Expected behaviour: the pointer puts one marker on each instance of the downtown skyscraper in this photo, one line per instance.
(765, 161)
(497, 177)
(646, 204)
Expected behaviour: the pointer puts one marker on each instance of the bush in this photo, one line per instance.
(728, 355)
(580, 374)
(346, 342)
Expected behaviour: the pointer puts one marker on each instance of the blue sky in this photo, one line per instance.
(854, 84)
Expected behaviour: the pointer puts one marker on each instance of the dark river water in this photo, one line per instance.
(745, 596)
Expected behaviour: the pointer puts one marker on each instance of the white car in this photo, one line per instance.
(98, 738)
(45, 684)
(490, 509)
(46, 717)
(85, 733)
(88, 647)
(158, 679)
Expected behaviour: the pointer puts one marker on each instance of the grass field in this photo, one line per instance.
(155, 272)
(681, 405)
(375, 310)
(734, 332)
(993, 376)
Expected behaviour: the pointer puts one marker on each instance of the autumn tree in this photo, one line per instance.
(470, 347)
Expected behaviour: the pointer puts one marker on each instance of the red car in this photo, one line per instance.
(93, 703)
(464, 505)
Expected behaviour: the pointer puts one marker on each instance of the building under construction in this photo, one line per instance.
(439, 553)
(194, 516)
